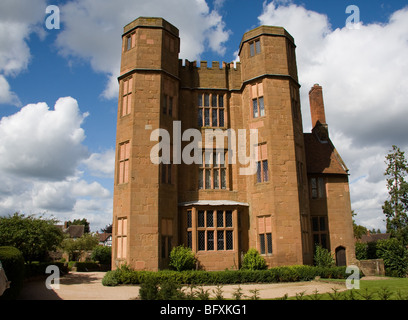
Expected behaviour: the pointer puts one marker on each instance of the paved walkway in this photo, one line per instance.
(88, 286)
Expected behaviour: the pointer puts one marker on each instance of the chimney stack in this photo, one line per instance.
(317, 105)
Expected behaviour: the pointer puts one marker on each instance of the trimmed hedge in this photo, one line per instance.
(13, 264)
(278, 274)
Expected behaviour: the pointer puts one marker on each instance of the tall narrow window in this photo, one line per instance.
(130, 42)
(124, 154)
(262, 174)
(167, 105)
(127, 96)
(121, 238)
(189, 229)
(265, 234)
(258, 107)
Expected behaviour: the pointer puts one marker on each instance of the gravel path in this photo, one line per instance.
(88, 286)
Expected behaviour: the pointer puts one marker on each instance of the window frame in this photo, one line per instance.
(123, 162)
(317, 188)
(127, 91)
(211, 110)
(319, 231)
(257, 101)
(209, 169)
(121, 237)
(255, 47)
(211, 237)
(262, 175)
(265, 239)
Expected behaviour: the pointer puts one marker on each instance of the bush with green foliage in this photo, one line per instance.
(395, 256)
(253, 261)
(182, 258)
(13, 264)
(323, 258)
(361, 250)
(33, 236)
(103, 254)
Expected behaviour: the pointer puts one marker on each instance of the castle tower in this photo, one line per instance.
(278, 194)
(145, 194)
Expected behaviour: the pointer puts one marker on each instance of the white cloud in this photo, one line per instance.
(92, 30)
(40, 151)
(42, 143)
(363, 74)
(18, 20)
(101, 164)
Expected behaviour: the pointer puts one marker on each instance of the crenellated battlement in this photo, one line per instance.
(216, 75)
(215, 65)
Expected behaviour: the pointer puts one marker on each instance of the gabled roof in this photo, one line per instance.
(75, 231)
(372, 237)
(104, 236)
(322, 156)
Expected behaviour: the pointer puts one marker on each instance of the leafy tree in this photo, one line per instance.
(396, 207)
(102, 254)
(358, 229)
(75, 247)
(34, 237)
(107, 229)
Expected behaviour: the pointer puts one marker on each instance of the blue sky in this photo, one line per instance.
(57, 157)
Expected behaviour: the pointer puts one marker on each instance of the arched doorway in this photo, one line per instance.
(340, 256)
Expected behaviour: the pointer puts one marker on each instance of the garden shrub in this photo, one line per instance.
(253, 261)
(323, 258)
(110, 279)
(361, 251)
(182, 258)
(395, 256)
(149, 289)
(13, 265)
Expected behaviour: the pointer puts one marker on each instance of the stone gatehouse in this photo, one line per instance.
(296, 196)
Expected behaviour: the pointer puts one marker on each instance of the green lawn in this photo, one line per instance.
(387, 289)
